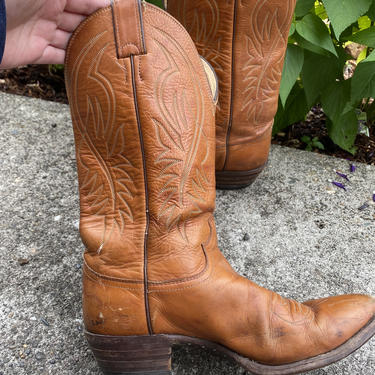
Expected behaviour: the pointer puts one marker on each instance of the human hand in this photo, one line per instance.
(38, 31)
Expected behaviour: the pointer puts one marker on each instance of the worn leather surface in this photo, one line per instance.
(245, 41)
(145, 137)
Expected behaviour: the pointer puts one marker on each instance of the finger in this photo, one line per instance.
(61, 39)
(85, 7)
(70, 21)
(52, 55)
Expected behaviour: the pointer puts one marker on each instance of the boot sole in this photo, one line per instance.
(229, 180)
(151, 355)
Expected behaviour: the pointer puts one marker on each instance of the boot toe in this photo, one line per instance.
(340, 318)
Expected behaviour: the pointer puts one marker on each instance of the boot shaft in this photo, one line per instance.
(143, 118)
(245, 42)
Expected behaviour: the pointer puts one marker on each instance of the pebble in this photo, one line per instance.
(363, 207)
(40, 356)
(58, 357)
(246, 237)
(23, 261)
(44, 321)
(57, 218)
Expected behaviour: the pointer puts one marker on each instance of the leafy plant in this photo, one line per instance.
(315, 63)
(56, 69)
(159, 3)
(312, 143)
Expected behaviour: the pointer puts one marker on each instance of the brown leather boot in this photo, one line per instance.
(154, 277)
(245, 42)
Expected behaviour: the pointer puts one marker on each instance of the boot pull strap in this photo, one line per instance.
(128, 28)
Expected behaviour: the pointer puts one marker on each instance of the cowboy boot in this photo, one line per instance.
(245, 42)
(153, 276)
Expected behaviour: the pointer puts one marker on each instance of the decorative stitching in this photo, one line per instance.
(109, 285)
(170, 128)
(182, 30)
(180, 289)
(111, 278)
(80, 27)
(186, 279)
(263, 74)
(94, 129)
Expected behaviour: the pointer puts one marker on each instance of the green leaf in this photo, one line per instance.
(314, 30)
(306, 139)
(371, 11)
(159, 3)
(292, 69)
(363, 81)
(318, 72)
(362, 55)
(334, 99)
(366, 37)
(295, 110)
(292, 29)
(362, 116)
(343, 13)
(343, 131)
(303, 7)
(319, 145)
(364, 22)
(320, 11)
(309, 46)
(341, 124)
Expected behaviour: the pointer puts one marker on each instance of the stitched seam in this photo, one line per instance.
(179, 289)
(158, 283)
(122, 45)
(138, 26)
(111, 278)
(232, 85)
(108, 285)
(130, 44)
(118, 36)
(254, 140)
(139, 68)
(141, 10)
(81, 27)
(181, 281)
(146, 192)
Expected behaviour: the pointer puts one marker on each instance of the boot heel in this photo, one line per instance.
(131, 355)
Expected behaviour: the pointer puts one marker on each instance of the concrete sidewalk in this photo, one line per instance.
(291, 232)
